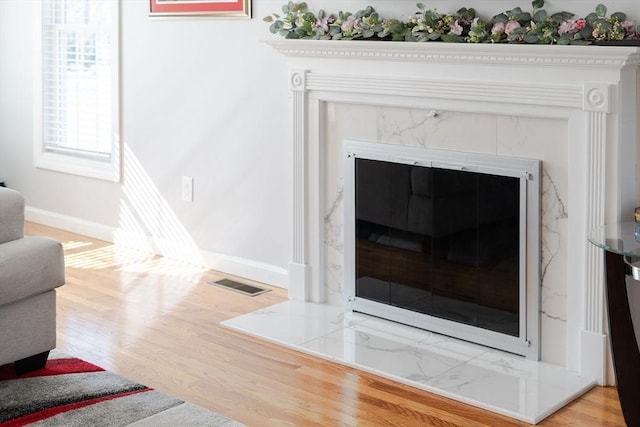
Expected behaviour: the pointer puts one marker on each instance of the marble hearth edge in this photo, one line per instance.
(489, 379)
(573, 107)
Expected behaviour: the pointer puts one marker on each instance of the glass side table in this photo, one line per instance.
(621, 243)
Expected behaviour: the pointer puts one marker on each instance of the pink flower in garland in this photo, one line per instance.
(571, 27)
(456, 28)
(629, 26)
(498, 28)
(347, 26)
(324, 23)
(510, 26)
(567, 27)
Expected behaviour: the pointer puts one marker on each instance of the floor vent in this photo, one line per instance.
(242, 288)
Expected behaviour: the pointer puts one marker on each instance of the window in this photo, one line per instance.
(77, 87)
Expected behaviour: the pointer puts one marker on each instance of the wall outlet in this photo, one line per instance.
(187, 189)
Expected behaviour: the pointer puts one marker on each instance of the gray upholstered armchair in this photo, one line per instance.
(30, 270)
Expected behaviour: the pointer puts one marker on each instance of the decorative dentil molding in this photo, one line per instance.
(501, 54)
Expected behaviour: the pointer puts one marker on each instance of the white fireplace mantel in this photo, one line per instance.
(594, 90)
(492, 54)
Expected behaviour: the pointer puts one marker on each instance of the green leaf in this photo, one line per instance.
(591, 18)
(468, 14)
(268, 18)
(586, 32)
(367, 33)
(620, 16)
(531, 38)
(537, 4)
(516, 34)
(603, 23)
(562, 16)
(289, 34)
(601, 10)
(540, 15)
(564, 39)
(500, 18)
(452, 38)
(524, 16)
(274, 28)
(434, 15)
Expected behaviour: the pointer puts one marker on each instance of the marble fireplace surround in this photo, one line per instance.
(573, 107)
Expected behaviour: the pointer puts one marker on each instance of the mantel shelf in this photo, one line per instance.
(505, 54)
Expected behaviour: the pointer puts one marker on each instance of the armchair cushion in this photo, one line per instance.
(11, 215)
(29, 266)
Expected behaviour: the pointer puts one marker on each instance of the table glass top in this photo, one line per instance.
(622, 238)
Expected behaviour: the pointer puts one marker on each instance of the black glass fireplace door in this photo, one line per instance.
(439, 242)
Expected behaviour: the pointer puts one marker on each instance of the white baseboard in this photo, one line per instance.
(242, 267)
(236, 266)
(71, 224)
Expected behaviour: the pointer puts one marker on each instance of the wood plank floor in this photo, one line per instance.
(158, 322)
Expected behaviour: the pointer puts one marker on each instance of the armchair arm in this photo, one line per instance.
(11, 215)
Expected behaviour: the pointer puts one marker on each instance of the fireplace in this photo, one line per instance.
(573, 107)
(445, 241)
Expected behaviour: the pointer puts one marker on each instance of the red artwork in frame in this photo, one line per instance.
(201, 8)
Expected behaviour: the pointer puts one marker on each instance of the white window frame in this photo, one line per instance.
(71, 162)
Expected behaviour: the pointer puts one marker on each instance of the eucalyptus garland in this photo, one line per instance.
(463, 26)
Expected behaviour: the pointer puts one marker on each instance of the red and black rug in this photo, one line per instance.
(72, 392)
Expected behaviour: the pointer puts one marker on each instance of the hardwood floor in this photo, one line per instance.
(158, 322)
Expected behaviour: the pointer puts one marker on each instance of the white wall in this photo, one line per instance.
(201, 98)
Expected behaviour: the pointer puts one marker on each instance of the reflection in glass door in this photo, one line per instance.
(440, 242)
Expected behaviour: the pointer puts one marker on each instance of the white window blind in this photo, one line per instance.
(79, 114)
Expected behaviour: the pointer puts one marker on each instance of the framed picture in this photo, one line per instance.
(201, 8)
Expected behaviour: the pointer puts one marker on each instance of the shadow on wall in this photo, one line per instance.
(146, 219)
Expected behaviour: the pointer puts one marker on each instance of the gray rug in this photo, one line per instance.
(71, 392)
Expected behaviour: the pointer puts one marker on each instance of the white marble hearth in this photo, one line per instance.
(489, 379)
